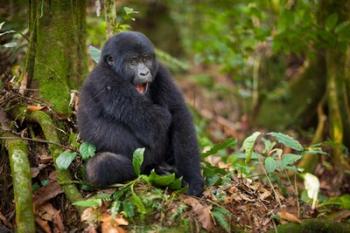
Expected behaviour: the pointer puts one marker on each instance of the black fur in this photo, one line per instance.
(117, 119)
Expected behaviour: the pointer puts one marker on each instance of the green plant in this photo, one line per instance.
(126, 198)
(274, 156)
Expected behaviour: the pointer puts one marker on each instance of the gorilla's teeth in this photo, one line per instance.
(141, 88)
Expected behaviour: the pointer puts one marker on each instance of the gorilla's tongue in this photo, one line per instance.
(141, 88)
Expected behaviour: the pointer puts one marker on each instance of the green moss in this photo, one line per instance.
(290, 105)
(60, 58)
(314, 226)
(22, 184)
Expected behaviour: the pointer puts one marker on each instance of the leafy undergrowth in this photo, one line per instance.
(249, 188)
(244, 193)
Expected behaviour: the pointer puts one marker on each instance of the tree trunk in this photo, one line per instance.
(337, 92)
(60, 57)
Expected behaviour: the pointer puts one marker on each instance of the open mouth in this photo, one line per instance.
(141, 88)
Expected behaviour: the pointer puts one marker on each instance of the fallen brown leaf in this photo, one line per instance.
(46, 193)
(288, 216)
(91, 216)
(265, 194)
(44, 225)
(34, 108)
(341, 215)
(24, 83)
(4, 220)
(202, 212)
(47, 213)
(58, 221)
(112, 225)
(90, 229)
(35, 171)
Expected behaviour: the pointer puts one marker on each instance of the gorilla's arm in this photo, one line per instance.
(182, 133)
(105, 134)
(120, 101)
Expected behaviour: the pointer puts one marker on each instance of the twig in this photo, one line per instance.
(297, 194)
(36, 140)
(270, 183)
(295, 190)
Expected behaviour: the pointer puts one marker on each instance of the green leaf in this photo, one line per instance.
(248, 145)
(137, 160)
(287, 141)
(163, 180)
(342, 201)
(343, 31)
(92, 202)
(128, 209)
(120, 193)
(129, 10)
(268, 145)
(314, 151)
(177, 184)
(210, 170)
(1, 25)
(289, 159)
(115, 207)
(136, 200)
(87, 150)
(270, 165)
(331, 21)
(240, 155)
(343, 26)
(65, 159)
(95, 53)
(229, 143)
(220, 215)
(212, 180)
(44, 182)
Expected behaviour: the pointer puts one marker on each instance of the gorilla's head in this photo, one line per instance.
(131, 55)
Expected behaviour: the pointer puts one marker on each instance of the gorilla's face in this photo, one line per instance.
(131, 55)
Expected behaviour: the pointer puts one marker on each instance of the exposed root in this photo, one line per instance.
(63, 176)
(309, 161)
(22, 184)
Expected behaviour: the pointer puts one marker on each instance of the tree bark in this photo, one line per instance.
(60, 57)
(337, 93)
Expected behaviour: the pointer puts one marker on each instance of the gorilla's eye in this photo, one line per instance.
(133, 61)
(146, 58)
(109, 60)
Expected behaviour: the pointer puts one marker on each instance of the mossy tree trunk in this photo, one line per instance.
(59, 60)
(337, 86)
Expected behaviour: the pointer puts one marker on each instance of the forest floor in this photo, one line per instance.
(238, 202)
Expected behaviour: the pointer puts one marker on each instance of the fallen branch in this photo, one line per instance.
(22, 184)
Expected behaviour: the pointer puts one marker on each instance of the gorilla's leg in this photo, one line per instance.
(107, 168)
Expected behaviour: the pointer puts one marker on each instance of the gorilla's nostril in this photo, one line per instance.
(144, 73)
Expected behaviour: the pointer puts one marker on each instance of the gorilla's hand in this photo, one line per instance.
(196, 188)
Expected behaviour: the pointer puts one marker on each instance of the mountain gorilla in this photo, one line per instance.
(130, 101)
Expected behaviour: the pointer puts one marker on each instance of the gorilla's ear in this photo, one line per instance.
(108, 59)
